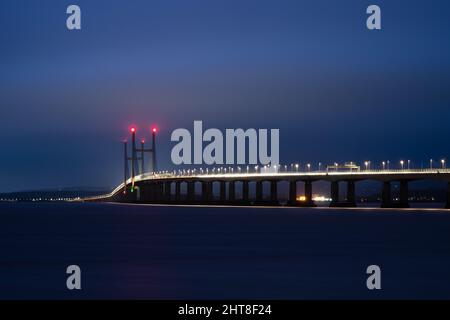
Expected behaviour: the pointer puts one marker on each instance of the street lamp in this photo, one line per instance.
(384, 165)
(309, 167)
(431, 163)
(366, 163)
(443, 163)
(320, 166)
(409, 162)
(402, 163)
(296, 167)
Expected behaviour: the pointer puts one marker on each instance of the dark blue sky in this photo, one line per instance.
(336, 90)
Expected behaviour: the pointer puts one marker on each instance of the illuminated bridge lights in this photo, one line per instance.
(216, 173)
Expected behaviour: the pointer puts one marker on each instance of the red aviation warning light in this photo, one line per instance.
(133, 129)
(154, 129)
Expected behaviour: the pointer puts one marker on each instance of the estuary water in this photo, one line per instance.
(169, 252)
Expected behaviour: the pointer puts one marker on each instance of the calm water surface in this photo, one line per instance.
(162, 252)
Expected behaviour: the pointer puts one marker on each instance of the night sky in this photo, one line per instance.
(336, 90)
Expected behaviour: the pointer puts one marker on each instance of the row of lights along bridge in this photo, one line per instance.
(384, 166)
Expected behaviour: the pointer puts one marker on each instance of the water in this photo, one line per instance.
(162, 252)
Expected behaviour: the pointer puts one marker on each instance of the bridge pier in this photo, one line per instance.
(190, 191)
(167, 191)
(231, 191)
(308, 195)
(274, 192)
(351, 197)
(210, 191)
(223, 192)
(334, 194)
(160, 192)
(259, 192)
(292, 193)
(447, 205)
(308, 202)
(152, 192)
(143, 190)
(404, 191)
(178, 191)
(386, 195)
(245, 191)
(206, 191)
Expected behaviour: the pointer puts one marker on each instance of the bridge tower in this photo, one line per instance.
(153, 149)
(134, 158)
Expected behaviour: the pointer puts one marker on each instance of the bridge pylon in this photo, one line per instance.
(134, 158)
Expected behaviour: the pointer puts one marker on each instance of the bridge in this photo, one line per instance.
(164, 187)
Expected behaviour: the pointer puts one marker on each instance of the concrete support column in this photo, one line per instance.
(231, 191)
(204, 191)
(404, 194)
(143, 192)
(245, 191)
(292, 193)
(167, 191)
(447, 205)
(351, 198)
(334, 193)
(177, 191)
(223, 191)
(386, 196)
(191, 191)
(259, 191)
(210, 191)
(308, 191)
(153, 192)
(273, 191)
(160, 191)
(308, 196)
